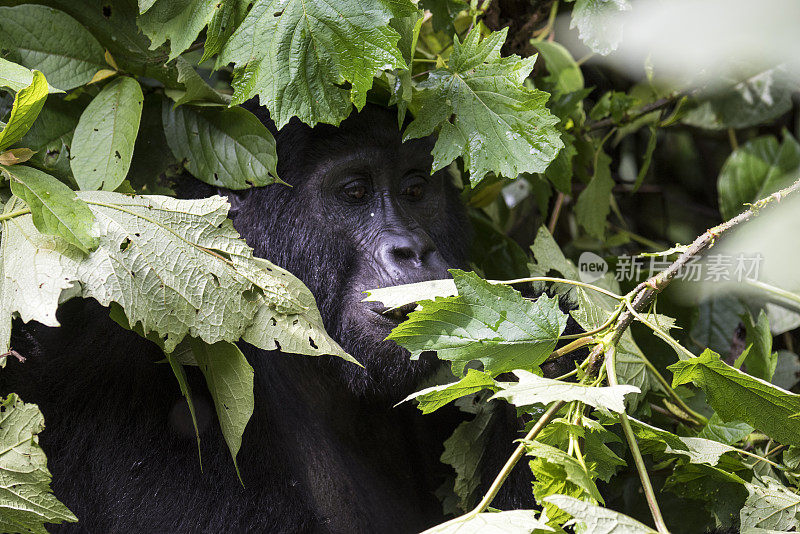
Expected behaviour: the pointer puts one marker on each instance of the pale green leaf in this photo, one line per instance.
(485, 112)
(102, 145)
(56, 209)
(28, 102)
(50, 41)
(178, 267)
(756, 169)
(598, 23)
(16, 77)
(532, 389)
(738, 396)
(772, 506)
(396, 296)
(179, 21)
(510, 522)
(563, 71)
(297, 54)
(227, 148)
(26, 501)
(432, 398)
(596, 519)
(490, 323)
(230, 382)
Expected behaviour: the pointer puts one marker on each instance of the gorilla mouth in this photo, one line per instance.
(399, 314)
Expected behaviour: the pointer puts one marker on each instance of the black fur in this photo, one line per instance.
(324, 451)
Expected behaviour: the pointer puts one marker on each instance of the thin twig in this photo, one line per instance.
(644, 110)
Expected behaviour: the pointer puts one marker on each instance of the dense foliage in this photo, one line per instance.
(685, 412)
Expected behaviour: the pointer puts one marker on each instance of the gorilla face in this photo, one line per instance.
(365, 212)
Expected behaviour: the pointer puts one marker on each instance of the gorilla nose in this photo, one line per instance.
(406, 254)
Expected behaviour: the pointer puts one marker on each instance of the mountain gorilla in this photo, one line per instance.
(324, 451)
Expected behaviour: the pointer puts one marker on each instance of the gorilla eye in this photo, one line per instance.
(413, 191)
(356, 190)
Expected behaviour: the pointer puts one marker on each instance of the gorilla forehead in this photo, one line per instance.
(372, 133)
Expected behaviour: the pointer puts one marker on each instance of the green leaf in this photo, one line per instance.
(598, 23)
(697, 450)
(226, 18)
(16, 77)
(490, 323)
(567, 466)
(728, 433)
(758, 403)
(50, 41)
(564, 74)
(179, 21)
(772, 506)
(197, 90)
(227, 148)
(498, 124)
(432, 398)
(756, 169)
(102, 146)
(26, 501)
(230, 382)
(178, 267)
(144, 5)
(510, 522)
(532, 389)
(464, 451)
(759, 99)
(758, 357)
(297, 54)
(183, 383)
(28, 102)
(56, 209)
(596, 519)
(444, 12)
(594, 203)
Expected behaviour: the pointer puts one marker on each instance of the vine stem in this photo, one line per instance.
(12, 214)
(560, 281)
(491, 493)
(650, 496)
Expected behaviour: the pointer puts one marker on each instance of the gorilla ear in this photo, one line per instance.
(236, 199)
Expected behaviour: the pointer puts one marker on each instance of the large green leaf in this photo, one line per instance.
(227, 148)
(178, 21)
(51, 41)
(223, 23)
(230, 382)
(16, 77)
(756, 169)
(596, 519)
(28, 102)
(594, 202)
(102, 146)
(178, 267)
(26, 501)
(563, 467)
(297, 55)
(485, 113)
(55, 208)
(464, 451)
(490, 323)
(510, 522)
(758, 403)
(532, 389)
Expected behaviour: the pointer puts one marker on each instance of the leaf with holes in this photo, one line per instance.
(485, 113)
(102, 146)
